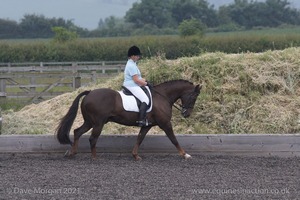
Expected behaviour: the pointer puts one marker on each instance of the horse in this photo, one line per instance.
(104, 105)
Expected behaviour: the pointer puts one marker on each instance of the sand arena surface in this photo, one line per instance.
(157, 176)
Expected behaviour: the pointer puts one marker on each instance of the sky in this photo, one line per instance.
(83, 13)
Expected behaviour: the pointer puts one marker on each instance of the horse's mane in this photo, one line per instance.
(170, 82)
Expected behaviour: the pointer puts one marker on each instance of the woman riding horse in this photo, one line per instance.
(133, 81)
(105, 105)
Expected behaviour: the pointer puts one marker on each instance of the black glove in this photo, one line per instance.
(149, 85)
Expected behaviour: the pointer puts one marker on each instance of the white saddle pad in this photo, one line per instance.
(130, 104)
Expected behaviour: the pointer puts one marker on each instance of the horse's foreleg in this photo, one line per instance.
(170, 133)
(94, 137)
(140, 138)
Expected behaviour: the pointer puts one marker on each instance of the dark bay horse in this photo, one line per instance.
(104, 105)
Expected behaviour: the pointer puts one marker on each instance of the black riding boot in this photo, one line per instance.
(142, 115)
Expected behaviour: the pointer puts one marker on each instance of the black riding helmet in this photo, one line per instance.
(134, 51)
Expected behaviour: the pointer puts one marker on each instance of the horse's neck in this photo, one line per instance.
(172, 93)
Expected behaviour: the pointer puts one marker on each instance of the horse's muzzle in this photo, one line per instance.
(185, 113)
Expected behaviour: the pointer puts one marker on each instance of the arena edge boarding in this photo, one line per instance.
(265, 144)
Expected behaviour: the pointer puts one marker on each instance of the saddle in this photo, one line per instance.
(132, 103)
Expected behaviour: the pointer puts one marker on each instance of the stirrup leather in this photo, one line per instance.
(144, 122)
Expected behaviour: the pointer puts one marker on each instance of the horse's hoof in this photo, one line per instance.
(137, 158)
(67, 154)
(187, 156)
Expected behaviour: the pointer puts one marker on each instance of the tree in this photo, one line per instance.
(280, 12)
(271, 13)
(170, 13)
(63, 35)
(9, 28)
(191, 27)
(38, 26)
(155, 12)
(198, 9)
(34, 26)
(113, 26)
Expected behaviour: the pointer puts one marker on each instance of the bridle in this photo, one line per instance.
(189, 104)
(182, 108)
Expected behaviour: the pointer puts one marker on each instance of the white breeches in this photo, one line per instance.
(139, 93)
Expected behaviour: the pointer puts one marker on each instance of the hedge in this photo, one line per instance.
(171, 47)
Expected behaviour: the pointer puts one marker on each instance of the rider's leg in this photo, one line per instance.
(141, 95)
(142, 115)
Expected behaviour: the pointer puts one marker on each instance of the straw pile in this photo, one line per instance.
(242, 93)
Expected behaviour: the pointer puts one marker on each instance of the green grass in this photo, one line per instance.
(24, 41)
(13, 104)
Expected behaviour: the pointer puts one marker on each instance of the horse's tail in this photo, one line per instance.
(64, 127)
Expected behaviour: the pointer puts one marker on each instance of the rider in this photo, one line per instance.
(133, 81)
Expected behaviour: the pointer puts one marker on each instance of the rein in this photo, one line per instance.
(174, 105)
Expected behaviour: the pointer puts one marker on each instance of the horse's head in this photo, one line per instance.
(188, 100)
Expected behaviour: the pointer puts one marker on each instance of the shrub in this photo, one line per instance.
(63, 35)
(191, 27)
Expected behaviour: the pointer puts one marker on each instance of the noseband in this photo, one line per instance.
(189, 104)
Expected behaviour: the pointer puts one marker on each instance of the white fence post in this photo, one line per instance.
(2, 88)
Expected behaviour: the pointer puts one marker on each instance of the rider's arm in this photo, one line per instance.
(139, 81)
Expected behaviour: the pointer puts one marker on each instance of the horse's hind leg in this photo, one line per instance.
(140, 138)
(94, 137)
(77, 134)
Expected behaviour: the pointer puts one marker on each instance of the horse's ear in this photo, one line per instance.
(198, 88)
